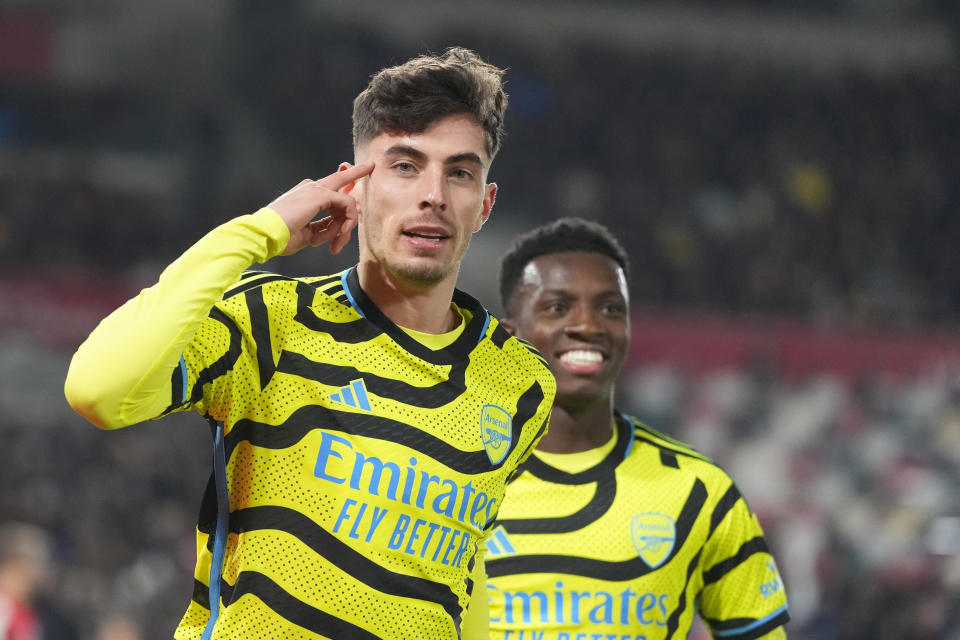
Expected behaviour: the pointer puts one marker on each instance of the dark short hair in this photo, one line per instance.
(560, 236)
(412, 96)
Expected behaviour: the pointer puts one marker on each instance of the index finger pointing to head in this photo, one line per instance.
(345, 176)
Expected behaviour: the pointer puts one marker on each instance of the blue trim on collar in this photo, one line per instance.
(486, 325)
(346, 289)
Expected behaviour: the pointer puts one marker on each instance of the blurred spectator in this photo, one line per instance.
(24, 561)
(118, 627)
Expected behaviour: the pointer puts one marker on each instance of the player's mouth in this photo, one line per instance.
(425, 238)
(582, 361)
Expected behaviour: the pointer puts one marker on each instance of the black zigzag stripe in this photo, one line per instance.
(569, 565)
(659, 445)
(260, 331)
(532, 349)
(666, 443)
(207, 519)
(225, 362)
(738, 623)
(542, 470)
(601, 569)
(312, 417)
(333, 291)
(527, 407)
(673, 621)
(322, 281)
(669, 459)
(499, 336)
(442, 393)
(599, 504)
(525, 456)
(176, 389)
(460, 349)
(747, 549)
(723, 507)
(201, 594)
(246, 284)
(352, 332)
(294, 610)
(345, 558)
(603, 473)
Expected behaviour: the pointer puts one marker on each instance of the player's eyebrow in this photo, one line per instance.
(468, 156)
(566, 292)
(563, 293)
(406, 150)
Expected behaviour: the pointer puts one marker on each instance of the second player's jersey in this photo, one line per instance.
(355, 469)
(630, 548)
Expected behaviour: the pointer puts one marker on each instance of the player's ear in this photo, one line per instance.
(509, 325)
(489, 197)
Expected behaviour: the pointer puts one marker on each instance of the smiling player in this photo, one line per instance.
(613, 530)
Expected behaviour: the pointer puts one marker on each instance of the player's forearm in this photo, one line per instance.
(121, 374)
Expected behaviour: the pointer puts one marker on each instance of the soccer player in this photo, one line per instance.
(612, 530)
(365, 423)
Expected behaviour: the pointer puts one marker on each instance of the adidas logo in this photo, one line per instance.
(353, 395)
(498, 544)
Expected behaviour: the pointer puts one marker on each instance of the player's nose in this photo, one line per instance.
(432, 190)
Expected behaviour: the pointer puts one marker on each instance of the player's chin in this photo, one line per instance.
(425, 269)
(580, 392)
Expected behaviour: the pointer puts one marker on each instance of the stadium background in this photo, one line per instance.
(784, 177)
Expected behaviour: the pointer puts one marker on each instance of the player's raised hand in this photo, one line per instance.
(299, 206)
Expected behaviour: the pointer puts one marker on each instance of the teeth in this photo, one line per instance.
(582, 356)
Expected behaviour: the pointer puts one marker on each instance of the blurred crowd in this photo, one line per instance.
(855, 482)
(739, 187)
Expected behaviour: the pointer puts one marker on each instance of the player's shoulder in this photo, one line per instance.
(692, 458)
(658, 438)
(268, 282)
(521, 352)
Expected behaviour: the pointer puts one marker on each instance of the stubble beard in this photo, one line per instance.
(422, 272)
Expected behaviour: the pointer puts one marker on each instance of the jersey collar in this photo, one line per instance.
(620, 451)
(458, 350)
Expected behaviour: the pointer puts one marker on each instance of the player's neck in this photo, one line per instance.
(417, 306)
(579, 430)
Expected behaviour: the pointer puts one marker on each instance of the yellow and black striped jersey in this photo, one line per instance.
(360, 467)
(630, 548)
(355, 470)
